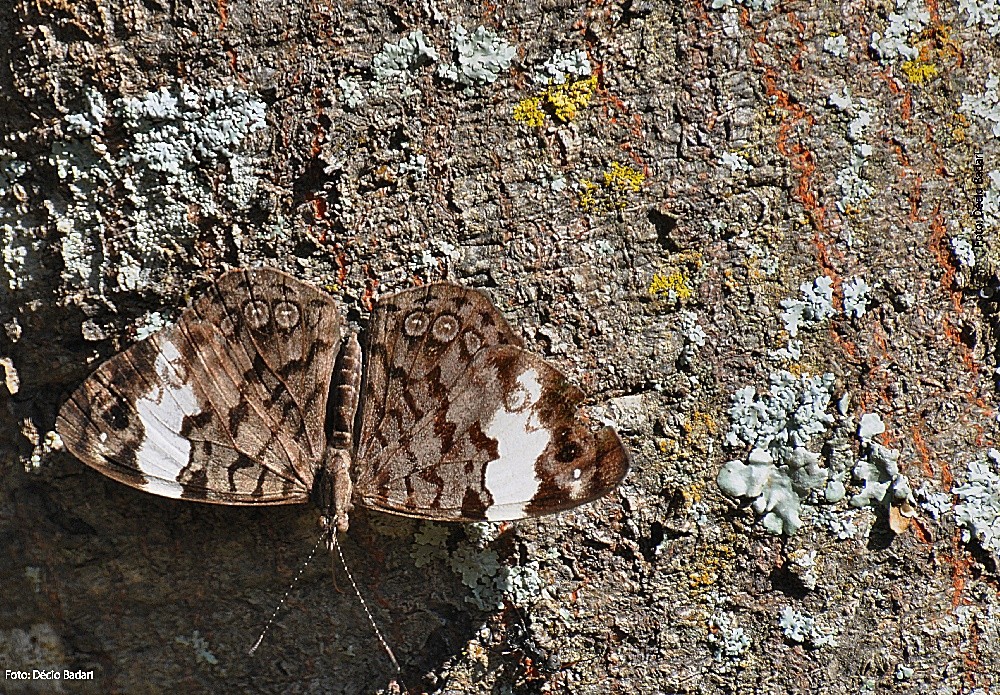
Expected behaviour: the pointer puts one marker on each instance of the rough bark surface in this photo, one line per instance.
(703, 169)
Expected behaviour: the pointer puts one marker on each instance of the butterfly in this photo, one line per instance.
(259, 394)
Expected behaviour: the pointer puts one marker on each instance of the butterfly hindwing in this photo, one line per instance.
(225, 406)
(502, 441)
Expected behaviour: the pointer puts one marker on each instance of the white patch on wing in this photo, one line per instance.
(511, 479)
(164, 453)
(575, 487)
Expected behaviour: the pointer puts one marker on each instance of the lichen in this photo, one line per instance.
(352, 91)
(588, 194)
(802, 563)
(918, 72)
(855, 189)
(694, 338)
(562, 101)
(984, 12)
(978, 511)
(963, 252)
(562, 66)
(619, 185)
(19, 242)
(396, 60)
(779, 426)
(801, 628)
(815, 306)
(672, 286)
(200, 646)
(882, 482)
(856, 297)
(151, 323)
(727, 639)
(736, 162)
(179, 162)
(490, 582)
(529, 112)
(480, 57)
(836, 45)
(567, 99)
(623, 179)
(395, 67)
(908, 20)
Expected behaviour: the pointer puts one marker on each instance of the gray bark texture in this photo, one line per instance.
(615, 175)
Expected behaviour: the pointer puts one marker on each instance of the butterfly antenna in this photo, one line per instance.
(288, 591)
(371, 619)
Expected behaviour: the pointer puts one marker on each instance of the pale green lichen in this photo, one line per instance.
(978, 510)
(801, 628)
(490, 582)
(909, 20)
(200, 646)
(19, 241)
(780, 426)
(395, 67)
(151, 323)
(429, 544)
(563, 67)
(178, 162)
(727, 639)
(480, 58)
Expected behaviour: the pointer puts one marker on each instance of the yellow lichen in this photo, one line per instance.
(708, 565)
(693, 493)
(588, 194)
(566, 99)
(623, 179)
(700, 426)
(529, 112)
(673, 286)
(918, 72)
(563, 101)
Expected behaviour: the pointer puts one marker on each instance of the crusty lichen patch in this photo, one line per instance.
(178, 164)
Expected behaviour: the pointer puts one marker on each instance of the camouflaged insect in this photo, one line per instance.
(259, 395)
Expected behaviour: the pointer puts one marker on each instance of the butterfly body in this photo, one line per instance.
(258, 396)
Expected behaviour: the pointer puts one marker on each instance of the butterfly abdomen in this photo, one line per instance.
(344, 395)
(332, 486)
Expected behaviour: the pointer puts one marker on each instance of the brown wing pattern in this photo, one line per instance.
(226, 406)
(420, 342)
(497, 438)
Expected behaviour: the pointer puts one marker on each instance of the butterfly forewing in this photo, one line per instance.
(488, 433)
(282, 337)
(226, 406)
(420, 343)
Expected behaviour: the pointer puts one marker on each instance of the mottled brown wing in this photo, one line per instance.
(226, 406)
(498, 438)
(420, 343)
